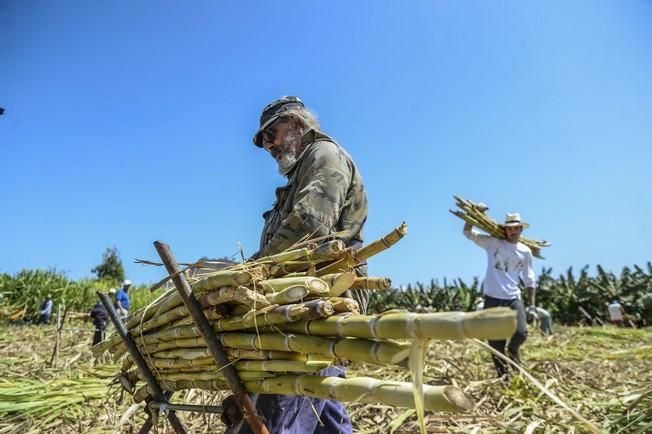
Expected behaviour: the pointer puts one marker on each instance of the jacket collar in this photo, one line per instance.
(307, 139)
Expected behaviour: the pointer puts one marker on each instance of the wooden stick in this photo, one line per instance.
(57, 343)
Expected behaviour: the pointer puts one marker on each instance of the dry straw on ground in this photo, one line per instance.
(604, 372)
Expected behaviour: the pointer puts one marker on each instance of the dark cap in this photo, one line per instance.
(274, 111)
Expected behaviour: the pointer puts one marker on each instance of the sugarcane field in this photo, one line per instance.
(419, 365)
(325, 217)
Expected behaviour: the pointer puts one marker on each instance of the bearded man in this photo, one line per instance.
(508, 262)
(324, 197)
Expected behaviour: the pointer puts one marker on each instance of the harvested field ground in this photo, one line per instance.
(604, 373)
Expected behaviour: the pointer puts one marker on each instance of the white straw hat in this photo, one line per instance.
(514, 219)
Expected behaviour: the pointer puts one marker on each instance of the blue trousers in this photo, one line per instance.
(289, 414)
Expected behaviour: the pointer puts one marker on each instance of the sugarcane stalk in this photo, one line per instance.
(364, 389)
(233, 354)
(283, 283)
(222, 278)
(127, 364)
(338, 283)
(288, 270)
(361, 389)
(240, 310)
(495, 323)
(382, 244)
(324, 252)
(371, 283)
(327, 251)
(239, 295)
(290, 255)
(277, 366)
(344, 305)
(346, 263)
(171, 316)
(203, 375)
(282, 365)
(310, 286)
(362, 350)
(208, 376)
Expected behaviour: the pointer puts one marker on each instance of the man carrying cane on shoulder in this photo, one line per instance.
(508, 262)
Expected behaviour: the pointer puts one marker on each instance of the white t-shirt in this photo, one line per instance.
(506, 263)
(615, 312)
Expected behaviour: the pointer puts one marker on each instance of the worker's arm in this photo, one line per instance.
(532, 295)
(481, 240)
(529, 281)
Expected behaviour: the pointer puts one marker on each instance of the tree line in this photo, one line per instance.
(572, 298)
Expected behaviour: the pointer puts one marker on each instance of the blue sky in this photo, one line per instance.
(129, 122)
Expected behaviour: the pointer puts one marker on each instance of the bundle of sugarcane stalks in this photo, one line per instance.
(474, 213)
(282, 319)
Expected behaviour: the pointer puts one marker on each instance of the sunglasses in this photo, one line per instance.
(269, 134)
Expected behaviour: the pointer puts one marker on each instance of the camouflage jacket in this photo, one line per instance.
(324, 195)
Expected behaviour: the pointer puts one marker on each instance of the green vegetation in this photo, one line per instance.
(562, 296)
(23, 293)
(111, 268)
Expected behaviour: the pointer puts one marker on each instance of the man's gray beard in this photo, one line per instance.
(286, 162)
(289, 155)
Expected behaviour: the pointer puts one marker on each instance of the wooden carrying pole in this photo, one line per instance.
(214, 346)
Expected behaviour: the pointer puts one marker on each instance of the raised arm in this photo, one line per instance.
(481, 240)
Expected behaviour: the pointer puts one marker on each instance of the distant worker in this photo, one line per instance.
(616, 313)
(508, 261)
(98, 314)
(122, 302)
(46, 311)
(478, 304)
(543, 317)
